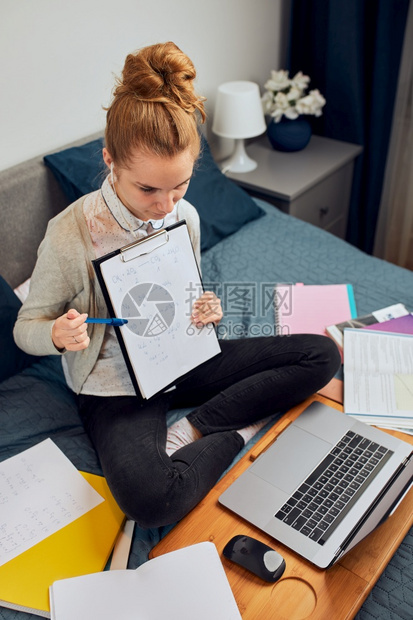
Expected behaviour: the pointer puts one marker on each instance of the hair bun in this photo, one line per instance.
(160, 73)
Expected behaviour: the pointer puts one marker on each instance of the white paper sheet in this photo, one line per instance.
(186, 584)
(378, 376)
(41, 491)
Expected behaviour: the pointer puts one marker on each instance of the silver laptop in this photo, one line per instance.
(324, 484)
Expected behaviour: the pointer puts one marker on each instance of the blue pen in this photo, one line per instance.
(115, 322)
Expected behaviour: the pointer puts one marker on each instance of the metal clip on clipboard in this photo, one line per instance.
(127, 254)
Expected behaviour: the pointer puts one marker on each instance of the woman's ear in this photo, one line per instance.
(107, 158)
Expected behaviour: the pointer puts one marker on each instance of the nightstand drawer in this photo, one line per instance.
(326, 202)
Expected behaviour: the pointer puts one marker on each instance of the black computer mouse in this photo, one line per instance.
(255, 556)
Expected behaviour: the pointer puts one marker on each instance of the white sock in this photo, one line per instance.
(180, 433)
(248, 432)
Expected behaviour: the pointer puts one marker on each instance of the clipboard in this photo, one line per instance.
(153, 283)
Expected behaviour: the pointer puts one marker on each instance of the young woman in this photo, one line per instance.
(157, 476)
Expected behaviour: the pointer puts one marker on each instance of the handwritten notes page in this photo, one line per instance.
(180, 585)
(378, 377)
(40, 492)
(155, 289)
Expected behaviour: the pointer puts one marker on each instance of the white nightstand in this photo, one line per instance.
(313, 184)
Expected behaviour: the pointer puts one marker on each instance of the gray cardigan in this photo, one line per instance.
(64, 278)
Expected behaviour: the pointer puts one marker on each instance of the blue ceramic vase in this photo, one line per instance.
(289, 135)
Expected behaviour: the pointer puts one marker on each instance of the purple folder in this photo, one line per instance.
(400, 325)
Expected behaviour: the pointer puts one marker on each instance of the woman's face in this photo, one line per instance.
(152, 185)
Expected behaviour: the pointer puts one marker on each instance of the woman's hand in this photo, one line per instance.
(207, 309)
(70, 331)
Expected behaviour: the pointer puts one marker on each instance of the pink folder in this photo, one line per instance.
(310, 308)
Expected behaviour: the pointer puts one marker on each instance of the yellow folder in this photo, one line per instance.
(82, 547)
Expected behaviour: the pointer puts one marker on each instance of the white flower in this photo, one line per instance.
(291, 113)
(278, 81)
(300, 81)
(281, 101)
(294, 94)
(268, 102)
(280, 105)
(287, 97)
(311, 104)
(319, 101)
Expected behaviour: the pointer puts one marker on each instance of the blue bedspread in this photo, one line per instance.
(281, 248)
(243, 269)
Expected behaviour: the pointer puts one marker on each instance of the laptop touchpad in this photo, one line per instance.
(290, 459)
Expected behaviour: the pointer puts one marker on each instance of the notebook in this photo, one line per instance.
(82, 547)
(183, 584)
(310, 308)
(324, 484)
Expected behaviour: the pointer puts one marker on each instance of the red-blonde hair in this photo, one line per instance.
(154, 107)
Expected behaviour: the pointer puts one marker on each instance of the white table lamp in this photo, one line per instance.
(238, 115)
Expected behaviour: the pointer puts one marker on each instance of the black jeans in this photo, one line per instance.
(250, 380)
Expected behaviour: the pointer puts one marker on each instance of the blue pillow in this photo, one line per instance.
(223, 207)
(12, 359)
(79, 170)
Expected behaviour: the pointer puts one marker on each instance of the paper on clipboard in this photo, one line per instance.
(153, 283)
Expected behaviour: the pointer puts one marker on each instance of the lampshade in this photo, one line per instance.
(239, 115)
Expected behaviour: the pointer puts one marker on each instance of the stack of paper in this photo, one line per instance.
(378, 377)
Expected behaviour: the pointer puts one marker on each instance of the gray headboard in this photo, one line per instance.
(29, 197)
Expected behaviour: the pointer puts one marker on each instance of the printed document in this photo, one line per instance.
(378, 376)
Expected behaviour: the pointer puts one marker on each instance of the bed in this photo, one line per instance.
(247, 246)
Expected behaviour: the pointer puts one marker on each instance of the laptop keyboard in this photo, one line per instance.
(326, 496)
